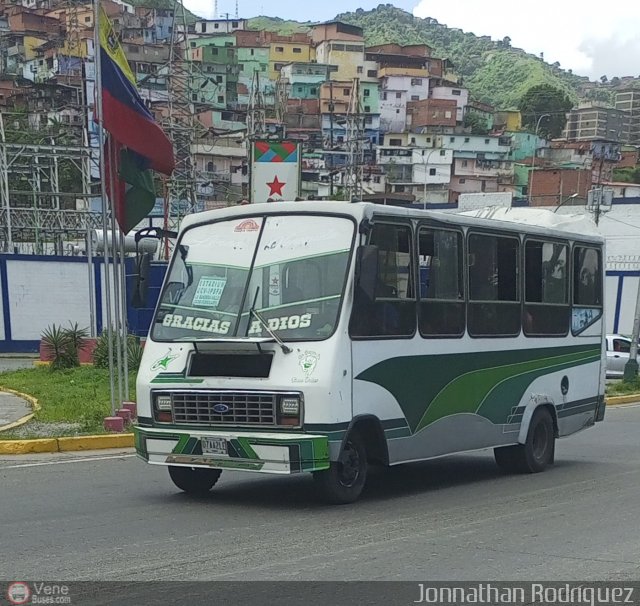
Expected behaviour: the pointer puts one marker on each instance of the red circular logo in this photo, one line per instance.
(18, 593)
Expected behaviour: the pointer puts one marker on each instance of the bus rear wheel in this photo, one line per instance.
(344, 481)
(536, 453)
(194, 480)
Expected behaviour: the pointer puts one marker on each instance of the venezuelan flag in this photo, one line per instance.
(124, 114)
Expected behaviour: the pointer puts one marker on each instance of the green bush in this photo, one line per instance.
(101, 352)
(63, 345)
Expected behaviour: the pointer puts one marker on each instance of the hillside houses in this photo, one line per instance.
(424, 138)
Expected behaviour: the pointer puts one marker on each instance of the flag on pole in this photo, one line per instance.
(124, 113)
(134, 194)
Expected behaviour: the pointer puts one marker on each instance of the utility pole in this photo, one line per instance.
(331, 109)
(631, 367)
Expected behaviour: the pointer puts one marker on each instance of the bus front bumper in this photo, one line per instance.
(264, 452)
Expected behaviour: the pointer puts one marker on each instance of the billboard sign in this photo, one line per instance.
(275, 171)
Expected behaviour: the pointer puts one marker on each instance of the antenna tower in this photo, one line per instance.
(354, 127)
(180, 123)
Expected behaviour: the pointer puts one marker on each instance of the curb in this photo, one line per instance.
(22, 420)
(617, 400)
(16, 447)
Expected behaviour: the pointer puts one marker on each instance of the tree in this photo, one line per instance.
(545, 99)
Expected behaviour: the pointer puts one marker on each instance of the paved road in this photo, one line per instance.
(110, 517)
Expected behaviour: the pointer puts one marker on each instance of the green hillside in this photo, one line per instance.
(493, 71)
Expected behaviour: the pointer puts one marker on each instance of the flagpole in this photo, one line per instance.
(113, 163)
(103, 192)
(125, 324)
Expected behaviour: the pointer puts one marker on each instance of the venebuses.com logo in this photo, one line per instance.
(19, 592)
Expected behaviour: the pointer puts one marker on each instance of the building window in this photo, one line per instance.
(251, 52)
(452, 139)
(415, 97)
(398, 95)
(442, 309)
(218, 79)
(367, 110)
(241, 67)
(372, 73)
(214, 51)
(297, 50)
(346, 92)
(487, 141)
(443, 152)
(234, 24)
(384, 96)
(192, 44)
(215, 26)
(220, 99)
(464, 163)
(359, 69)
(432, 172)
(194, 96)
(447, 115)
(397, 111)
(279, 49)
(313, 91)
(416, 81)
(395, 142)
(210, 167)
(467, 139)
(366, 92)
(462, 181)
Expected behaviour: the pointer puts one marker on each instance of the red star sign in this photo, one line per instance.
(276, 186)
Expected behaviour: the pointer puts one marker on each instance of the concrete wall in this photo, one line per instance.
(38, 291)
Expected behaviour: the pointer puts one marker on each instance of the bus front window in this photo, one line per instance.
(290, 269)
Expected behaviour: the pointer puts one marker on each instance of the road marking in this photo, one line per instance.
(84, 460)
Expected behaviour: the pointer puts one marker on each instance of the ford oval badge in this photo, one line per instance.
(221, 408)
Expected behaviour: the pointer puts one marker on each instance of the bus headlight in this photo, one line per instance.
(290, 406)
(163, 402)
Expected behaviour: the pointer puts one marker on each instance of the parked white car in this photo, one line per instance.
(618, 347)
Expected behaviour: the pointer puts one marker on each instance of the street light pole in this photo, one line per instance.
(533, 158)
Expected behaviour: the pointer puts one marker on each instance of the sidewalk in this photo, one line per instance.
(12, 408)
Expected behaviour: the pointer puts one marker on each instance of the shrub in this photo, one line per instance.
(63, 344)
(101, 352)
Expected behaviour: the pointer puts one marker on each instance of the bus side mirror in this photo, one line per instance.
(367, 271)
(141, 284)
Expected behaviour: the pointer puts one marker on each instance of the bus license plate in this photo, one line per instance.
(214, 446)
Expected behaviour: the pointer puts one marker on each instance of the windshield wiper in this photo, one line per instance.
(274, 336)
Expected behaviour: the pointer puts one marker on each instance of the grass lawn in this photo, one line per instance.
(78, 395)
(620, 388)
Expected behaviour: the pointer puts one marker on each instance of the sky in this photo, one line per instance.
(591, 39)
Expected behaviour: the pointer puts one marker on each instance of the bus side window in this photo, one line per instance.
(442, 307)
(494, 297)
(393, 313)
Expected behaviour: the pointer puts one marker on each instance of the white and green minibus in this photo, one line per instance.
(326, 337)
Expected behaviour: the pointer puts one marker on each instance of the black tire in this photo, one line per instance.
(344, 481)
(536, 453)
(194, 480)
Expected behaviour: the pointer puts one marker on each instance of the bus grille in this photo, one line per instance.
(224, 407)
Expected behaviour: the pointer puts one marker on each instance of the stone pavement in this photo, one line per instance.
(12, 408)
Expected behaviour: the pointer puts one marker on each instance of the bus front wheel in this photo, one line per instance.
(194, 480)
(343, 482)
(536, 453)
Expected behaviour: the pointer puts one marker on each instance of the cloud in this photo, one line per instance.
(565, 32)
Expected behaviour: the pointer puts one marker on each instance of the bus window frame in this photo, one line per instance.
(508, 234)
(460, 230)
(599, 248)
(569, 277)
(399, 222)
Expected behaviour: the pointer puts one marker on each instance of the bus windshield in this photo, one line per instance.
(290, 269)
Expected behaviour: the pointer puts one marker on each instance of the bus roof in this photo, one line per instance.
(526, 220)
